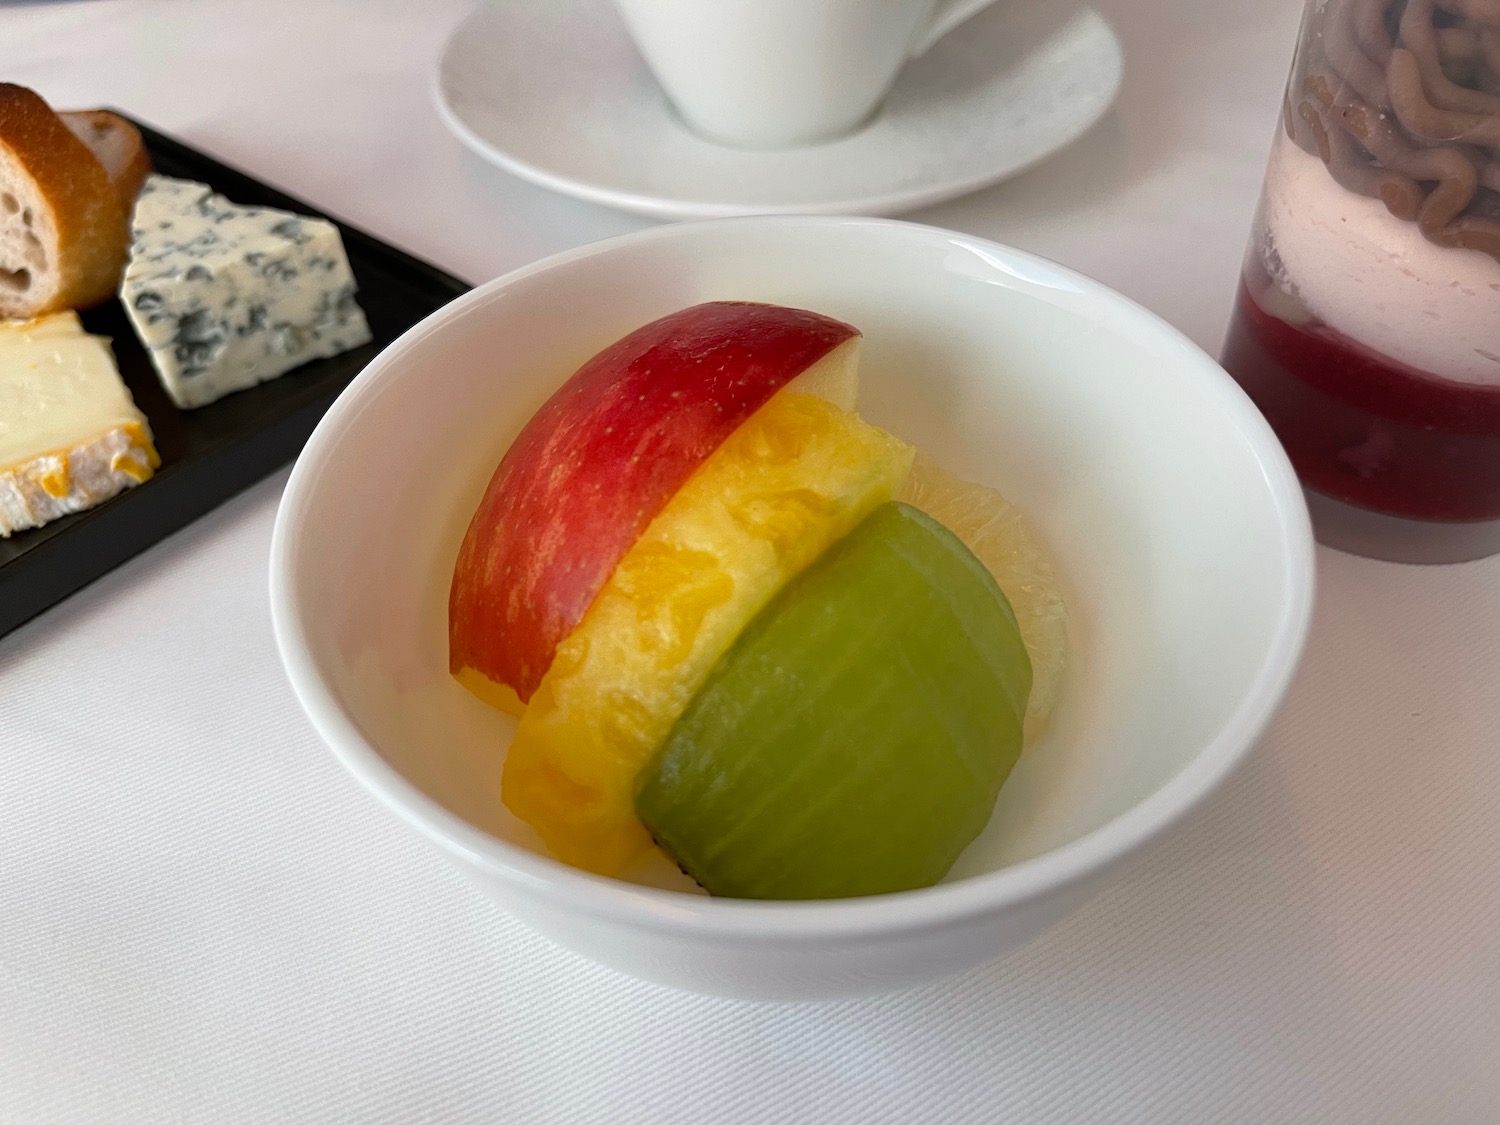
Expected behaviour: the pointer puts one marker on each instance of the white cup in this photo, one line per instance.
(775, 73)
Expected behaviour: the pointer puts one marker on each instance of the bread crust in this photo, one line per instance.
(90, 218)
(136, 166)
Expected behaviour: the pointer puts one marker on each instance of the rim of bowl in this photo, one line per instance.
(591, 895)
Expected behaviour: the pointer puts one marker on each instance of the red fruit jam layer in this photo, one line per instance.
(1366, 429)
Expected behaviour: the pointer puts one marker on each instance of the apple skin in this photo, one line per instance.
(596, 464)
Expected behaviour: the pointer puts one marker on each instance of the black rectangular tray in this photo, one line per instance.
(216, 451)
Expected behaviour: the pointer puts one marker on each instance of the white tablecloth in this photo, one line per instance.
(203, 919)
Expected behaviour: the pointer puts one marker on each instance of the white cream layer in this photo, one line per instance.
(1374, 278)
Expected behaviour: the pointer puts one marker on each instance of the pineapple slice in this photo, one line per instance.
(796, 477)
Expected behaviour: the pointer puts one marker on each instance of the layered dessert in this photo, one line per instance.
(1367, 328)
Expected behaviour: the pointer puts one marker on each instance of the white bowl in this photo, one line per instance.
(1166, 501)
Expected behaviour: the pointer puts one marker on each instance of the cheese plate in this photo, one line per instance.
(213, 452)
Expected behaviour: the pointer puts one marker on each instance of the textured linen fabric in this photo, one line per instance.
(203, 919)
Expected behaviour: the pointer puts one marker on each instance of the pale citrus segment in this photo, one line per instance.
(788, 483)
(994, 529)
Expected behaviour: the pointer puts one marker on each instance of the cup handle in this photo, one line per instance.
(949, 14)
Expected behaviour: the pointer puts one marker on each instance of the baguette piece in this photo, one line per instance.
(64, 226)
(117, 144)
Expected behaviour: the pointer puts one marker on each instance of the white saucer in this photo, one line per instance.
(554, 92)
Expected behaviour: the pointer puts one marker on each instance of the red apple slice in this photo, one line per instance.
(602, 457)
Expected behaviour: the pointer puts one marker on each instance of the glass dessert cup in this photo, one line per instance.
(1367, 326)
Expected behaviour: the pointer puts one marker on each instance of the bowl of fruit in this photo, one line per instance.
(791, 607)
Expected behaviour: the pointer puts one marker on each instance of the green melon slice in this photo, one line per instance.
(854, 738)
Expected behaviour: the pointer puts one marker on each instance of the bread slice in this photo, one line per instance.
(118, 146)
(64, 227)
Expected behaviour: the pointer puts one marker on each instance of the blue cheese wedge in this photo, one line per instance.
(70, 436)
(225, 297)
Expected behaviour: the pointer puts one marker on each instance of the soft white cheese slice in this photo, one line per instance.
(70, 436)
(225, 296)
